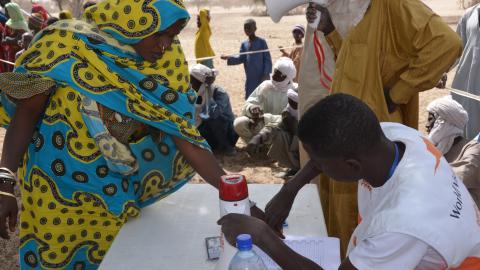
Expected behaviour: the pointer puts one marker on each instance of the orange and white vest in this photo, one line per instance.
(423, 199)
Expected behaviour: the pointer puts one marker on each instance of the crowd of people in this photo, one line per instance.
(18, 30)
(112, 119)
(269, 117)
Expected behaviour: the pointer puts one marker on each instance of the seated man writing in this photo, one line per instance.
(265, 105)
(405, 223)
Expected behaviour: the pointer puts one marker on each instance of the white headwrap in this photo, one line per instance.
(201, 72)
(450, 121)
(300, 28)
(286, 66)
(292, 95)
(347, 13)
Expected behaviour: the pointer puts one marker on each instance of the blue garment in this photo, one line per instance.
(218, 128)
(3, 18)
(257, 65)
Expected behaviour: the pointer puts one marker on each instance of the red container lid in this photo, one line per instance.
(233, 187)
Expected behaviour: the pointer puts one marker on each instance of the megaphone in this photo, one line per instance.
(276, 9)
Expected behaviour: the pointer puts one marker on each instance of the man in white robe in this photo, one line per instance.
(467, 77)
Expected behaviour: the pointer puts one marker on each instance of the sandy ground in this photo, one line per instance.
(227, 35)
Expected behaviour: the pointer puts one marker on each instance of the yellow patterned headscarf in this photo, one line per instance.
(95, 59)
(130, 21)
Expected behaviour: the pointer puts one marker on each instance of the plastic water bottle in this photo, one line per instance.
(246, 258)
(233, 199)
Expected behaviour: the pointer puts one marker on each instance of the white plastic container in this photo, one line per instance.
(233, 199)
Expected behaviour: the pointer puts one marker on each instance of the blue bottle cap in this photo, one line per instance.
(244, 242)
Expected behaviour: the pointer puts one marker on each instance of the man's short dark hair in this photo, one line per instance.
(250, 22)
(340, 125)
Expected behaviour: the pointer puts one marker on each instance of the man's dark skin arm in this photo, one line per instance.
(266, 239)
(279, 207)
(17, 138)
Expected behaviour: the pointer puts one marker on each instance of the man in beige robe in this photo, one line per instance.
(315, 78)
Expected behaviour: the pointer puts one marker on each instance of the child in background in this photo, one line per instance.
(258, 66)
(295, 54)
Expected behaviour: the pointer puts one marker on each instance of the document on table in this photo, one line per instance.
(324, 251)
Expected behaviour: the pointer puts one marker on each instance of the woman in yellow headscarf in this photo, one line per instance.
(202, 38)
(100, 118)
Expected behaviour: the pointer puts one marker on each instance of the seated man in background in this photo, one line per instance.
(446, 123)
(467, 167)
(265, 105)
(282, 139)
(403, 223)
(214, 113)
(447, 120)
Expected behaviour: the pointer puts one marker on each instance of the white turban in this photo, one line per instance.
(201, 72)
(450, 121)
(287, 67)
(292, 95)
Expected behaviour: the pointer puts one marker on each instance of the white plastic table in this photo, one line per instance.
(171, 234)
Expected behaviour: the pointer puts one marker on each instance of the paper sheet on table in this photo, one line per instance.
(324, 251)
